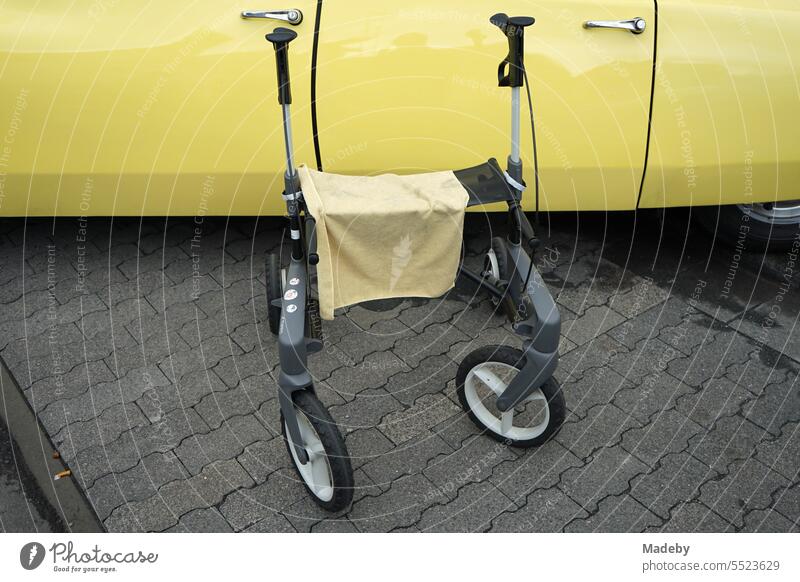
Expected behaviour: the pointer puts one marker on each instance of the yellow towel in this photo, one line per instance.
(384, 236)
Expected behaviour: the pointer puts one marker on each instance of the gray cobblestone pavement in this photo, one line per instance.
(140, 344)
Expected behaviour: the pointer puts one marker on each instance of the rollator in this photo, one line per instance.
(508, 393)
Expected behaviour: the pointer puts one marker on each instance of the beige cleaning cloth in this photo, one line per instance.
(384, 236)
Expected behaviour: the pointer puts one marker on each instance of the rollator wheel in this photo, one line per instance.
(274, 291)
(484, 374)
(497, 264)
(328, 475)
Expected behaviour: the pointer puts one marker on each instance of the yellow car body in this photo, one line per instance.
(116, 107)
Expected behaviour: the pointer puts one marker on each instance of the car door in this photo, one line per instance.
(725, 105)
(412, 86)
(124, 107)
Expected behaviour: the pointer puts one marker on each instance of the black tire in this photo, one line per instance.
(512, 357)
(274, 291)
(341, 471)
(750, 227)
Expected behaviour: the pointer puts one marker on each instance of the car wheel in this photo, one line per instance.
(754, 227)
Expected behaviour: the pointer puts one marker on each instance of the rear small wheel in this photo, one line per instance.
(328, 475)
(497, 264)
(484, 374)
(274, 291)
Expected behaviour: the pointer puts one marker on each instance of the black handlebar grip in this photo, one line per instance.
(514, 29)
(280, 39)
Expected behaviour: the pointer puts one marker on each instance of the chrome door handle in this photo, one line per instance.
(292, 16)
(635, 25)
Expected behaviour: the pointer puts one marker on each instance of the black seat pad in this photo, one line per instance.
(485, 183)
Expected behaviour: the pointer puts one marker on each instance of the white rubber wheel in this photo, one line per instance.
(316, 473)
(484, 375)
(491, 264)
(328, 475)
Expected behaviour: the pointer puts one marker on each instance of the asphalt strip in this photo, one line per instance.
(60, 502)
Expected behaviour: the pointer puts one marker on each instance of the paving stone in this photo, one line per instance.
(104, 428)
(421, 313)
(644, 295)
(68, 384)
(474, 461)
(273, 523)
(787, 502)
(380, 337)
(619, 514)
(603, 426)
(712, 358)
(693, 517)
(262, 458)
(398, 507)
(649, 357)
(435, 339)
(776, 405)
(214, 350)
(656, 392)
(245, 507)
(101, 397)
(694, 332)
(117, 317)
(364, 318)
(767, 521)
(153, 262)
(350, 379)
(71, 312)
(216, 407)
(782, 453)
(596, 354)
(539, 468)
(748, 485)
(471, 511)
(113, 290)
(150, 352)
(596, 321)
(676, 478)
(407, 459)
(490, 336)
(668, 432)
(163, 510)
(191, 389)
(225, 442)
(366, 410)
(608, 472)
(545, 510)
(595, 386)
(426, 413)
(731, 439)
(762, 367)
(475, 319)
(135, 484)
(307, 516)
(716, 399)
(365, 445)
(729, 290)
(126, 451)
(456, 429)
(429, 377)
(765, 324)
